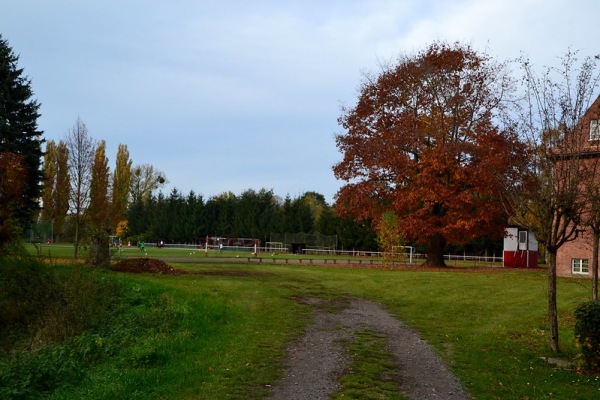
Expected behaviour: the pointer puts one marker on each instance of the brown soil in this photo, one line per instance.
(156, 266)
(146, 265)
(317, 359)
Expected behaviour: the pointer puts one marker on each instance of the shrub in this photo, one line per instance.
(82, 300)
(68, 320)
(587, 334)
(25, 286)
(40, 305)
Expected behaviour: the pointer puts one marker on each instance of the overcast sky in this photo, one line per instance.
(235, 95)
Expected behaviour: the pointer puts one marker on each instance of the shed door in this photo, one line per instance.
(523, 240)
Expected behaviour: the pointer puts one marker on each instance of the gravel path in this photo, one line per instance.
(316, 360)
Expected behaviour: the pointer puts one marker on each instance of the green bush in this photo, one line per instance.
(71, 319)
(41, 304)
(26, 287)
(25, 375)
(587, 334)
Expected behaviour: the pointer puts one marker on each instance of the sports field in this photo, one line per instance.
(488, 324)
(198, 254)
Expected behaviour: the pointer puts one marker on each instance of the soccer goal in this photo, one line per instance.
(275, 247)
(403, 253)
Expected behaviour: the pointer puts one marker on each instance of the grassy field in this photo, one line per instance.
(490, 327)
(65, 251)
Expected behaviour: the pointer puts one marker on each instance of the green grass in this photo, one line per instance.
(236, 320)
(490, 327)
(65, 251)
(230, 339)
(373, 373)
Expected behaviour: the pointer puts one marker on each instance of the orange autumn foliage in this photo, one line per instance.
(423, 142)
(12, 189)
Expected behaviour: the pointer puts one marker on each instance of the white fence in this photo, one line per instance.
(270, 249)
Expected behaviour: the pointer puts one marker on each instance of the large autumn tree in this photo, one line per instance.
(426, 142)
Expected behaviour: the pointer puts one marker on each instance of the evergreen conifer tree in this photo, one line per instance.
(19, 133)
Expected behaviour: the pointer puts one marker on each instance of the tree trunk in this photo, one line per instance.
(76, 248)
(595, 265)
(552, 306)
(435, 252)
(99, 254)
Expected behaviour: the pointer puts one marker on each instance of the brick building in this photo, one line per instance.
(575, 258)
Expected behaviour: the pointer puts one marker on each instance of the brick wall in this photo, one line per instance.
(581, 248)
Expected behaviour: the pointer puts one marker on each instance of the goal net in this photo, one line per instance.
(402, 254)
(310, 240)
(275, 247)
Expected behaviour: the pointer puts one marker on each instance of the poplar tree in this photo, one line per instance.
(99, 254)
(50, 171)
(120, 187)
(61, 188)
(99, 205)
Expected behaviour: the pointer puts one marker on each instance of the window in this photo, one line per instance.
(579, 266)
(594, 130)
(522, 240)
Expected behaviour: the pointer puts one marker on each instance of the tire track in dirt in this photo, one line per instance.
(316, 359)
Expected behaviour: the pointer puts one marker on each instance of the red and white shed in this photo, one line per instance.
(520, 248)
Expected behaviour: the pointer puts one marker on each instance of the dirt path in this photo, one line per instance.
(316, 360)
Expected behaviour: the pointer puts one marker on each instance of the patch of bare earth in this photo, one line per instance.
(317, 359)
(146, 265)
(156, 266)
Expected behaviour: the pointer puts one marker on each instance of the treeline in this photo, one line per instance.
(180, 218)
(83, 202)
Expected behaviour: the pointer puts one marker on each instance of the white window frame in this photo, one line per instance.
(594, 129)
(580, 266)
(523, 239)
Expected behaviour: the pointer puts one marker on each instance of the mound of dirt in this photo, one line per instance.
(148, 265)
